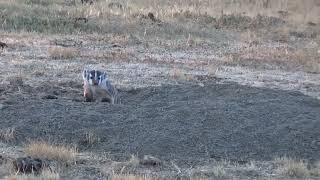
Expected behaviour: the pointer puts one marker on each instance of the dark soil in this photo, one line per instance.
(188, 124)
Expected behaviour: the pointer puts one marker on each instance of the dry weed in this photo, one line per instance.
(62, 52)
(8, 134)
(41, 149)
(316, 170)
(6, 168)
(291, 168)
(45, 175)
(134, 160)
(91, 138)
(219, 171)
(177, 73)
(309, 60)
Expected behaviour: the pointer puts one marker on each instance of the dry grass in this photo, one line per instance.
(44, 175)
(41, 149)
(91, 138)
(307, 60)
(7, 135)
(134, 160)
(153, 177)
(177, 73)
(56, 16)
(62, 52)
(219, 171)
(291, 168)
(166, 9)
(134, 177)
(315, 171)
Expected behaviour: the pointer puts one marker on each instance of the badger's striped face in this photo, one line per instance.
(94, 77)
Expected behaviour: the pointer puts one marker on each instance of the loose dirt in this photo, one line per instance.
(188, 124)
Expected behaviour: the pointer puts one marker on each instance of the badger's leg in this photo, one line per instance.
(87, 93)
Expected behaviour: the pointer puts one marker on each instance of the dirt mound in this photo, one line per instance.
(187, 123)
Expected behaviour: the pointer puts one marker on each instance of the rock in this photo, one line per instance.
(151, 16)
(49, 96)
(3, 45)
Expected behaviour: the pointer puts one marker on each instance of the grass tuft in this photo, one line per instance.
(7, 135)
(41, 149)
(219, 171)
(291, 168)
(91, 138)
(62, 53)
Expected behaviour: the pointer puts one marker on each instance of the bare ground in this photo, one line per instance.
(191, 104)
(186, 123)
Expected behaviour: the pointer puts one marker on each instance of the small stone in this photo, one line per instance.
(49, 96)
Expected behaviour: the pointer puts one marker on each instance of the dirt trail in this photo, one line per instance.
(189, 124)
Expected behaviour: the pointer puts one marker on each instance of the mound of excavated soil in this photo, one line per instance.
(185, 123)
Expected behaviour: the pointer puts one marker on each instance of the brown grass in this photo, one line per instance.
(44, 175)
(41, 149)
(62, 52)
(8, 134)
(294, 10)
(56, 16)
(307, 60)
(291, 168)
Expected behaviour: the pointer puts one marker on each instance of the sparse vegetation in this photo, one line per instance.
(41, 149)
(134, 160)
(291, 168)
(44, 175)
(134, 177)
(91, 138)
(315, 171)
(8, 134)
(62, 52)
(219, 171)
(59, 16)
